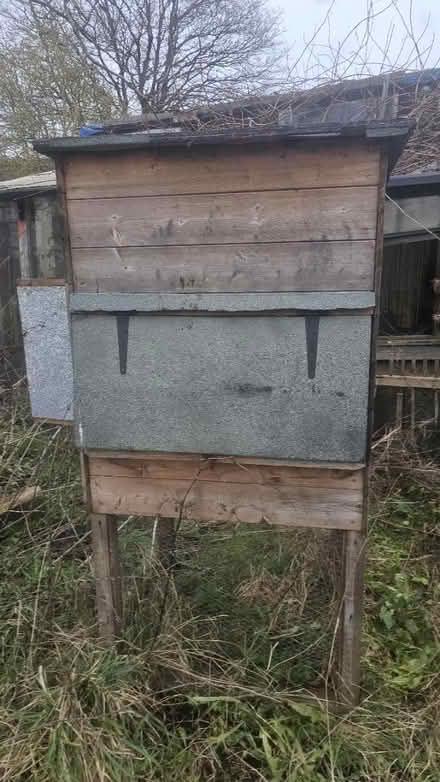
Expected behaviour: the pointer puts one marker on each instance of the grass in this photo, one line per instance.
(207, 691)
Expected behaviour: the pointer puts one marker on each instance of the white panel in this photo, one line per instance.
(48, 353)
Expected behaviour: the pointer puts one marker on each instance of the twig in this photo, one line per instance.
(425, 228)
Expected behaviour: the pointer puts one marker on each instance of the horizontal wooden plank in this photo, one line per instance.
(290, 266)
(225, 472)
(220, 501)
(40, 283)
(56, 421)
(408, 352)
(96, 453)
(279, 216)
(408, 381)
(222, 169)
(408, 339)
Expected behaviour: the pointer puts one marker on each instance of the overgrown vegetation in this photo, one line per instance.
(207, 691)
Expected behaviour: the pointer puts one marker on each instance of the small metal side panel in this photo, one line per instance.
(275, 386)
(46, 336)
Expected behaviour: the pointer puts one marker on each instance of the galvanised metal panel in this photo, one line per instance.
(276, 386)
(46, 336)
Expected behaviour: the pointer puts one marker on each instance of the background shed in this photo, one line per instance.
(10, 332)
(408, 350)
(31, 247)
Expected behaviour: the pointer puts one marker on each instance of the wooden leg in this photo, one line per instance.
(353, 562)
(107, 574)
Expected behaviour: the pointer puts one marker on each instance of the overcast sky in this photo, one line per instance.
(301, 18)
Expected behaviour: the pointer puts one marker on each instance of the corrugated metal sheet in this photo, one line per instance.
(46, 180)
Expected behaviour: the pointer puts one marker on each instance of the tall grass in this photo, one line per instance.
(206, 689)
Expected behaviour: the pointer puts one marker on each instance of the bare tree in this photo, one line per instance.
(166, 54)
(45, 89)
(384, 40)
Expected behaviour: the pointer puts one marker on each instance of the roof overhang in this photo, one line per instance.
(414, 185)
(395, 132)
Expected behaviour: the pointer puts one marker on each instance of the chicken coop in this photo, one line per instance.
(222, 299)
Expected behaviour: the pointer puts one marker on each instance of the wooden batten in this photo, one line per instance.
(408, 381)
(24, 230)
(61, 191)
(246, 460)
(217, 491)
(40, 283)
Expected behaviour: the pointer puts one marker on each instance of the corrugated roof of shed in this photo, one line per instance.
(44, 181)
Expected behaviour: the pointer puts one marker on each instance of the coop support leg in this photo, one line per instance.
(353, 563)
(107, 574)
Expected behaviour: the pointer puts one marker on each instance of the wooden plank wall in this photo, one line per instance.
(289, 217)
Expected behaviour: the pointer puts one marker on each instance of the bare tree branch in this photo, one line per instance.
(166, 54)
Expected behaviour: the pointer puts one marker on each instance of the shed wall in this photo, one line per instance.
(298, 216)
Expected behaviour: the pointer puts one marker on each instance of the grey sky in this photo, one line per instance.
(302, 17)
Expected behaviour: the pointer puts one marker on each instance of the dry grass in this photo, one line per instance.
(422, 149)
(209, 693)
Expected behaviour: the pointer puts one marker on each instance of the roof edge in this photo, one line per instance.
(415, 180)
(395, 130)
(30, 184)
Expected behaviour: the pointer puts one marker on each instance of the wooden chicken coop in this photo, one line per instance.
(222, 304)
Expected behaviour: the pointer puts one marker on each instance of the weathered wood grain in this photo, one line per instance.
(64, 211)
(107, 575)
(354, 553)
(222, 169)
(408, 381)
(99, 453)
(277, 216)
(225, 472)
(216, 501)
(330, 499)
(408, 353)
(40, 283)
(290, 266)
(24, 231)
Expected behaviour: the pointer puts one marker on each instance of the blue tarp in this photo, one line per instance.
(91, 130)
